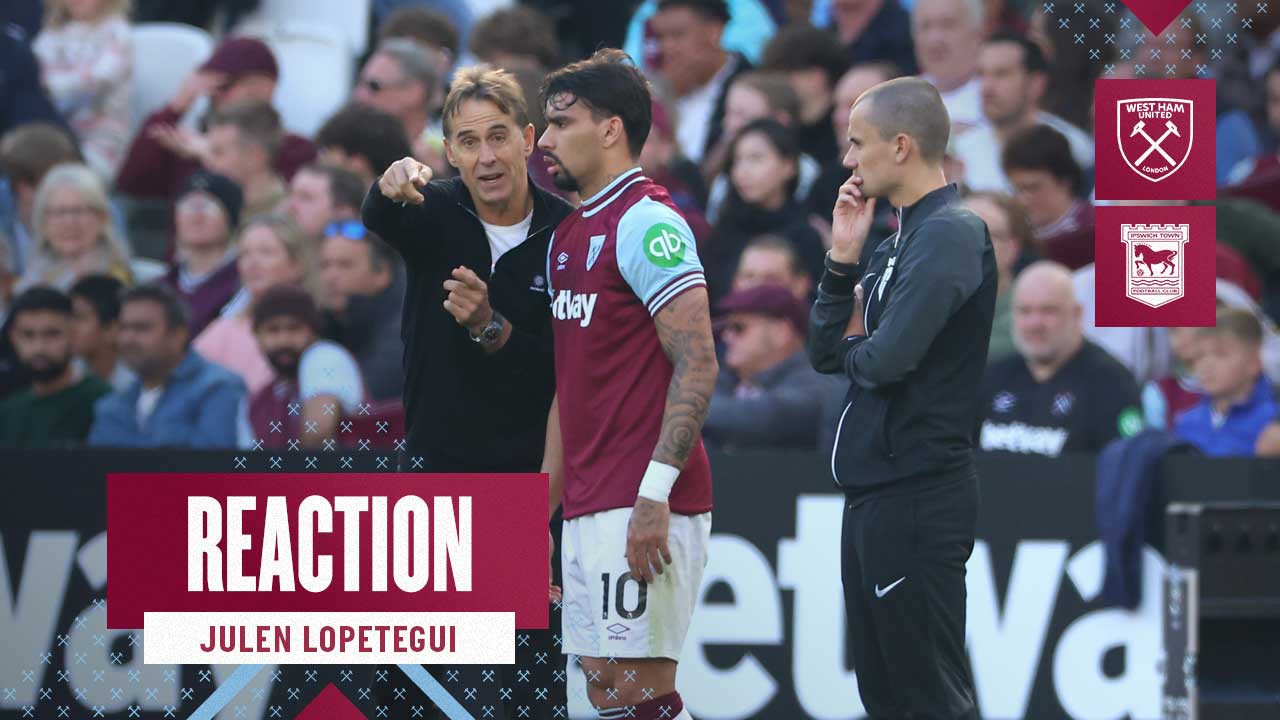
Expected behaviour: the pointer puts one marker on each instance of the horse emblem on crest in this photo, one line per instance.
(1154, 273)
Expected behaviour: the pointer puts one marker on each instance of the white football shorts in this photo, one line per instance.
(607, 612)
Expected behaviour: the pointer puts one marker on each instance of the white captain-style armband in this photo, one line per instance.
(658, 480)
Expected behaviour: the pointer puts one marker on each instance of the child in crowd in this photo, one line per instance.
(86, 61)
(1239, 415)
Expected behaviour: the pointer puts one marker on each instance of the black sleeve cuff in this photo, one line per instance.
(839, 285)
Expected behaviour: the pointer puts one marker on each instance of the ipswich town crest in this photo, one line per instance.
(1155, 274)
(1155, 135)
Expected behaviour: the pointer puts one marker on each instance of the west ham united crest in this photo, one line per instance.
(1156, 256)
(1155, 135)
(1162, 132)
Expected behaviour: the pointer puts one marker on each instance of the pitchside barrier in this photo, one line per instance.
(768, 638)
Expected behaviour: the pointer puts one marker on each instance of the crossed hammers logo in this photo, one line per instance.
(1171, 129)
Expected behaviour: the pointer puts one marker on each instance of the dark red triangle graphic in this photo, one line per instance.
(331, 704)
(1157, 14)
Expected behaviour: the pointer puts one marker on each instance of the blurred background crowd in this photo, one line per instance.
(179, 209)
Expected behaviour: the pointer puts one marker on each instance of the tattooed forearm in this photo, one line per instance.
(684, 327)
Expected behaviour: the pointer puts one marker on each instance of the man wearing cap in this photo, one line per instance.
(770, 396)
(162, 155)
(206, 213)
(311, 373)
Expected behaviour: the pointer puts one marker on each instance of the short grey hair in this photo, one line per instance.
(415, 62)
(911, 106)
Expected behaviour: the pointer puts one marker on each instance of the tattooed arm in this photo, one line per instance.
(684, 328)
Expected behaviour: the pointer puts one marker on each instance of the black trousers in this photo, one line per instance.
(903, 565)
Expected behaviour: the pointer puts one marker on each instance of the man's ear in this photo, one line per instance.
(530, 137)
(613, 132)
(448, 152)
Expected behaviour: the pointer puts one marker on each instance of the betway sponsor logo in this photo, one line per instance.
(1023, 438)
(569, 305)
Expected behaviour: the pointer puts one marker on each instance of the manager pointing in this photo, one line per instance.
(910, 328)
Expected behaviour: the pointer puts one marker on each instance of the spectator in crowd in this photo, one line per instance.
(1014, 76)
(25, 98)
(750, 26)
(162, 155)
(204, 273)
(321, 194)
(875, 31)
(459, 13)
(698, 70)
(1014, 243)
(362, 139)
(1046, 179)
(179, 399)
(363, 295)
(764, 171)
(57, 409)
(433, 31)
(243, 137)
(772, 260)
(73, 230)
(1073, 66)
(769, 395)
(27, 154)
(95, 329)
(516, 37)
(1265, 165)
(317, 376)
(86, 62)
(947, 35)
(1165, 398)
(272, 251)
(751, 95)
(1239, 404)
(666, 165)
(400, 78)
(1060, 393)
(813, 62)
(822, 195)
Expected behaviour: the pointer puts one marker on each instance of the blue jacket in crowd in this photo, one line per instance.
(199, 408)
(1239, 430)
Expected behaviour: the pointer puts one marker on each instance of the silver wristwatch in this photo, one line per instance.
(490, 333)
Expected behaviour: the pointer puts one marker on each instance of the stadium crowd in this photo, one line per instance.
(196, 273)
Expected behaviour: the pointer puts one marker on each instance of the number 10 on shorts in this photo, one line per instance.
(620, 592)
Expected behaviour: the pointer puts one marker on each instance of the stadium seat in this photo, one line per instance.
(348, 17)
(316, 66)
(163, 55)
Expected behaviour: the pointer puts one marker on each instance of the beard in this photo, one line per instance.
(48, 369)
(285, 362)
(562, 178)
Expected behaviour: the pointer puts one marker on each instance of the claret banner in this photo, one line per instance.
(327, 568)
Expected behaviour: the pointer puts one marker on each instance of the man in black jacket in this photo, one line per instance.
(480, 373)
(910, 329)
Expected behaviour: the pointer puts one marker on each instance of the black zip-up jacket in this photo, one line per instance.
(467, 410)
(929, 295)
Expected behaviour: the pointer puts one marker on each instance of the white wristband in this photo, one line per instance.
(658, 481)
